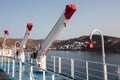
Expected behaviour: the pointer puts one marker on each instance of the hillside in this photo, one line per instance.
(111, 43)
(31, 44)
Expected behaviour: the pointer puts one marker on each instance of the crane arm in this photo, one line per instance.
(6, 33)
(61, 23)
(27, 33)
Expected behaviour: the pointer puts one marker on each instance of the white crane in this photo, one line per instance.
(20, 52)
(4, 44)
(5, 37)
(61, 23)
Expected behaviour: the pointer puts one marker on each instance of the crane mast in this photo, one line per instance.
(24, 41)
(5, 37)
(61, 23)
(4, 44)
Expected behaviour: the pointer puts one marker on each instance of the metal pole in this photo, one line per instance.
(118, 72)
(53, 77)
(72, 67)
(87, 74)
(8, 65)
(4, 63)
(28, 56)
(4, 45)
(20, 69)
(54, 64)
(59, 64)
(2, 57)
(104, 64)
(43, 75)
(61, 23)
(31, 71)
(103, 52)
(13, 68)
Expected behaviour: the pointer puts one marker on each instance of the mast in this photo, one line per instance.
(24, 41)
(6, 33)
(61, 23)
(3, 45)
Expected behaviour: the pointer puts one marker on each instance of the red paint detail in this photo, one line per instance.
(29, 26)
(70, 9)
(90, 44)
(6, 32)
(38, 65)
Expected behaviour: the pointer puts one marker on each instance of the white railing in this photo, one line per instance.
(59, 68)
(27, 71)
(81, 69)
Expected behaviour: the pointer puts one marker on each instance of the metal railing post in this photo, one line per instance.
(105, 71)
(87, 73)
(8, 65)
(20, 69)
(13, 68)
(53, 77)
(72, 67)
(59, 64)
(43, 75)
(28, 55)
(4, 63)
(2, 59)
(118, 71)
(54, 64)
(31, 71)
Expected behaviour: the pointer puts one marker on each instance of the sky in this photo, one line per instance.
(90, 15)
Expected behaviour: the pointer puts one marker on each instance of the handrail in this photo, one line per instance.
(81, 68)
(34, 66)
(56, 74)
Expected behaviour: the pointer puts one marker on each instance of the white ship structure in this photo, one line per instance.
(21, 65)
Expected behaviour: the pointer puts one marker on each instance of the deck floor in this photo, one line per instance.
(3, 75)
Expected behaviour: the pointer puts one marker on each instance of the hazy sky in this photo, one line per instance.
(90, 14)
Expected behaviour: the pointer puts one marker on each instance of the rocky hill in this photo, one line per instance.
(111, 43)
(31, 44)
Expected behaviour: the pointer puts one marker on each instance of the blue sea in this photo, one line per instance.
(80, 71)
(112, 58)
